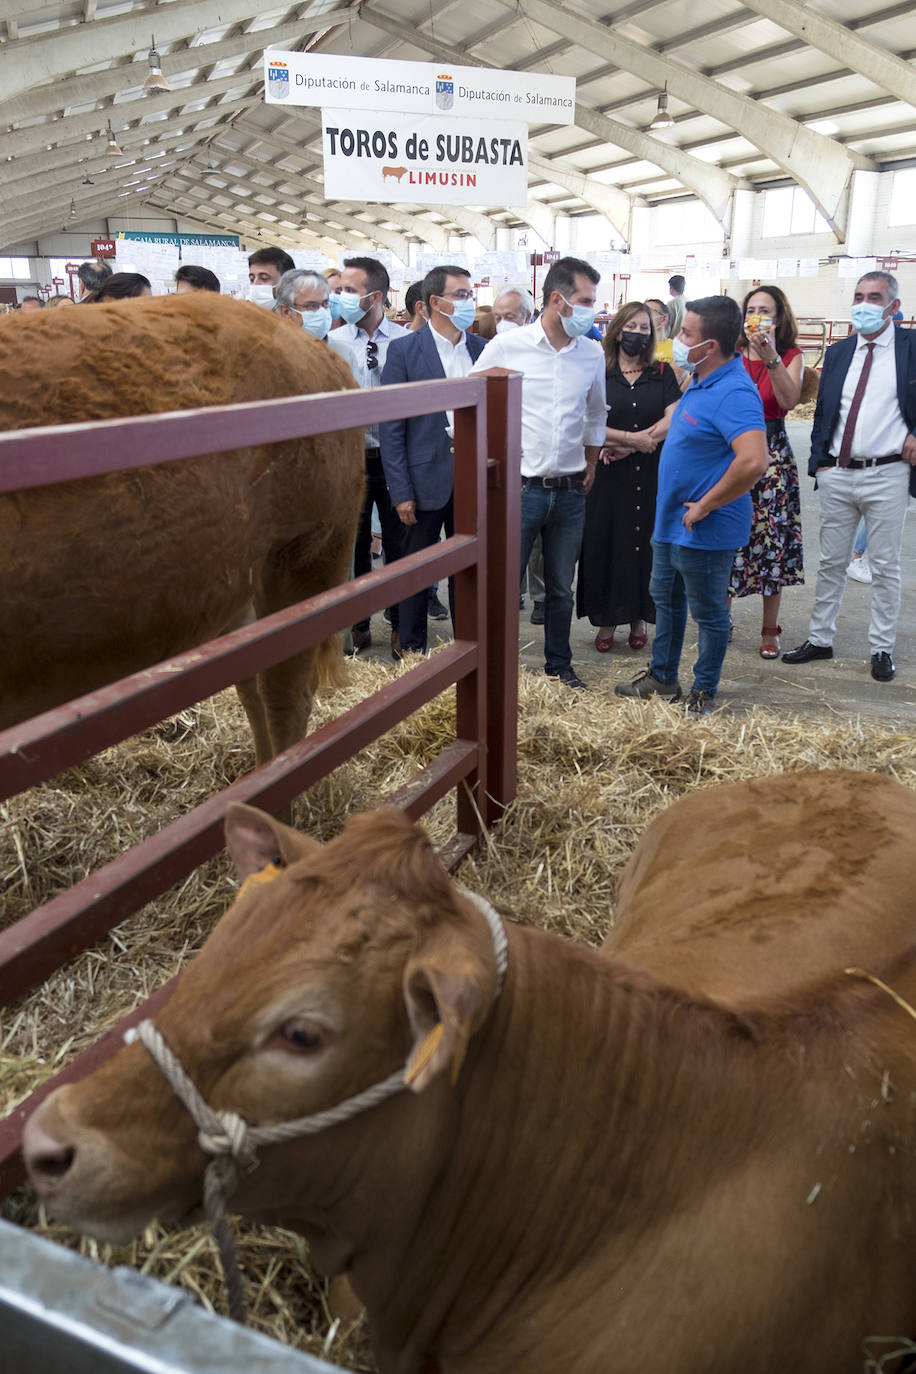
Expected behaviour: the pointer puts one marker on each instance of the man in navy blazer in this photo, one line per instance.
(417, 453)
(863, 455)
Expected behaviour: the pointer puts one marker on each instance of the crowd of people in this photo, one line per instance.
(657, 473)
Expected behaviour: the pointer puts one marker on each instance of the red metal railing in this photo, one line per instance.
(483, 557)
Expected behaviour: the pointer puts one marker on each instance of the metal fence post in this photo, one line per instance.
(504, 450)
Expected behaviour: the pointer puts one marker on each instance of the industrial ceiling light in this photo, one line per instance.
(87, 180)
(72, 208)
(155, 81)
(112, 147)
(662, 118)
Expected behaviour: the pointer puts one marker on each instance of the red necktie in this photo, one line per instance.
(846, 441)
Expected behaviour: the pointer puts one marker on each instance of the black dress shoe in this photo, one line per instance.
(569, 677)
(435, 609)
(882, 667)
(362, 639)
(537, 613)
(806, 652)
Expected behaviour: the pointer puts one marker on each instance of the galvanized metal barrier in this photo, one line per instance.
(483, 557)
(63, 1314)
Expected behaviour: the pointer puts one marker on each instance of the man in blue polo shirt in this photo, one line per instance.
(714, 453)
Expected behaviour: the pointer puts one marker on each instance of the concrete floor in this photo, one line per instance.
(842, 686)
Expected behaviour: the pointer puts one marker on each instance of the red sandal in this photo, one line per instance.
(770, 650)
(605, 643)
(637, 641)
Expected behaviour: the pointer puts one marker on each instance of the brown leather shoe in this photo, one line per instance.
(362, 639)
(396, 646)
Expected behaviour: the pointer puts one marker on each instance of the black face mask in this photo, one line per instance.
(633, 343)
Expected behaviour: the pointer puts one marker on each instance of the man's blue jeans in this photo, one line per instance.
(559, 518)
(698, 579)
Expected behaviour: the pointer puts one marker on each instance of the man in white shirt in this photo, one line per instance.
(417, 453)
(564, 412)
(863, 455)
(362, 340)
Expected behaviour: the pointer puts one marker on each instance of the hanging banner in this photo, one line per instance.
(388, 158)
(368, 83)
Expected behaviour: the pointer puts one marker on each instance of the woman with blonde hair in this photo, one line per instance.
(616, 556)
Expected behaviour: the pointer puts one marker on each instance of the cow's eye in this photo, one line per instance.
(301, 1036)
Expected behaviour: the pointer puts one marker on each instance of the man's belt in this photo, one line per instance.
(874, 462)
(572, 483)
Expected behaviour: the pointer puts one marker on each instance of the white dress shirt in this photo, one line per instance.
(456, 362)
(880, 428)
(564, 401)
(350, 342)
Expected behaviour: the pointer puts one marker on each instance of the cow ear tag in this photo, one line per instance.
(425, 1052)
(263, 875)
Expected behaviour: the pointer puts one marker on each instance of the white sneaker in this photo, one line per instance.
(859, 570)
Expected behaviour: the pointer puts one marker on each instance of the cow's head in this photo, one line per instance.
(314, 986)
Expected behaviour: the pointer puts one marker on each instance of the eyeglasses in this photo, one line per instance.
(459, 296)
(371, 355)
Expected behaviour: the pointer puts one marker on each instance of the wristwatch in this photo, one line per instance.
(774, 363)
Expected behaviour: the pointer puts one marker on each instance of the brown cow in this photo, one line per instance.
(105, 576)
(694, 1152)
(394, 172)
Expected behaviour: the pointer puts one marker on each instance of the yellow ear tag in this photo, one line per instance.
(425, 1052)
(263, 875)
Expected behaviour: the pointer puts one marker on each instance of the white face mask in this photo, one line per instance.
(262, 293)
(504, 326)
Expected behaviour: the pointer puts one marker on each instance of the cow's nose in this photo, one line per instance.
(47, 1159)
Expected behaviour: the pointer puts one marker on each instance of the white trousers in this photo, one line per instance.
(880, 495)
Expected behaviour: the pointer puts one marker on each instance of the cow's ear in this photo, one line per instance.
(255, 840)
(448, 988)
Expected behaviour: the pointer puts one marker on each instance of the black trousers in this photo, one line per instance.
(392, 537)
(423, 535)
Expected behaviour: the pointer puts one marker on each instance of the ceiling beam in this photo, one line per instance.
(311, 197)
(79, 90)
(817, 30)
(819, 164)
(45, 58)
(72, 130)
(708, 182)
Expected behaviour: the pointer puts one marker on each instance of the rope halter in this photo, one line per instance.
(232, 1143)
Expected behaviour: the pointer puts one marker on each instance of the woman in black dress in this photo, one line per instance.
(616, 557)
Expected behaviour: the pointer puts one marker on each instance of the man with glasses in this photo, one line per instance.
(362, 341)
(302, 298)
(564, 414)
(417, 453)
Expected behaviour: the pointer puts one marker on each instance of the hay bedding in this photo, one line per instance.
(590, 778)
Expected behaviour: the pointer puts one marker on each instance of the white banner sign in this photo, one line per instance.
(388, 158)
(368, 83)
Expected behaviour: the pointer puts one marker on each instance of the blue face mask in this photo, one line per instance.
(866, 318)
(351, 306)
(580, 321)
(316, 322)
(334, 305)
(462, 315)
(680, 354)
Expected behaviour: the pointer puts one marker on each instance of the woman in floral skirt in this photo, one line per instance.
(772, 558)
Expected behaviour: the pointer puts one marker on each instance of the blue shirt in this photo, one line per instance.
(698, 451)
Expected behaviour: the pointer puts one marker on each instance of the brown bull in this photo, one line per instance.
(693, 1152)
(105, 576)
